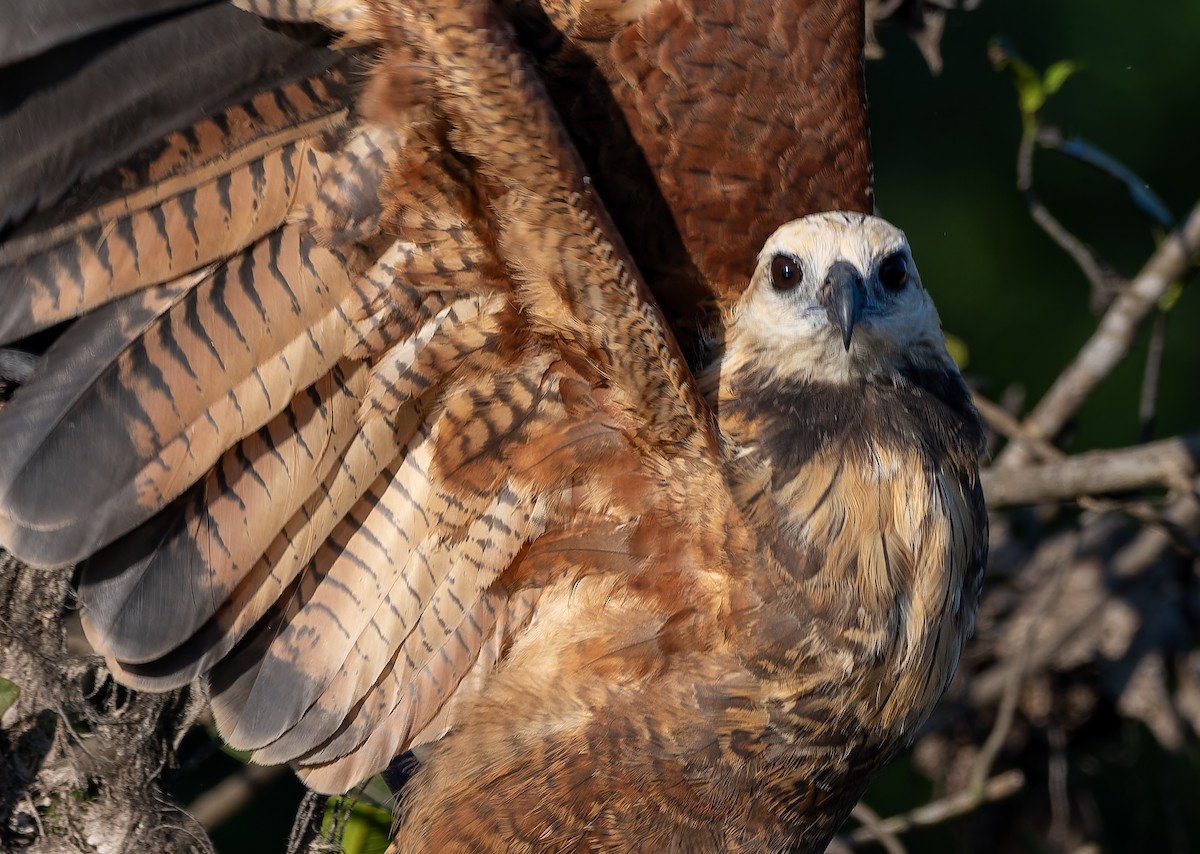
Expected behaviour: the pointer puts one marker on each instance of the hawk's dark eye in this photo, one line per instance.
(785, 272)
(893, 272)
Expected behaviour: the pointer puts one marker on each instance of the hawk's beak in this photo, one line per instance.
(844, 298)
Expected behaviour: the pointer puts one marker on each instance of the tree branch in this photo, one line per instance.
(1168, 462)
(216, 805)
(1112, 338)
(871, 822)
(935, 812)
(1007, 425)
(1097, 272)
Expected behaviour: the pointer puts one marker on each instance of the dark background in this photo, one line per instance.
(945, 154)
(945, 159)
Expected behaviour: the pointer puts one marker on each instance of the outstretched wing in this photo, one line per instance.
(746, 114)
(706, 125)
(357, 365)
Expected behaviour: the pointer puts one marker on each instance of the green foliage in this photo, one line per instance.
(367, 828)
(1033, 90)
(1032, 94)
(958, 350)
(1056, 75)
(9, 693)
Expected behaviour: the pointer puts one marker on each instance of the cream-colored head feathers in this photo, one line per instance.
(791, 332)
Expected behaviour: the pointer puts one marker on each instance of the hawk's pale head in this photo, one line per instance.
(835, 298)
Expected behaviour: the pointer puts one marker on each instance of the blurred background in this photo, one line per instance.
(945, 151)
(1104, 727)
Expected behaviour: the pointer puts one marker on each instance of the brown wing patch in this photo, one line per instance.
(707, 124)
(732, 161)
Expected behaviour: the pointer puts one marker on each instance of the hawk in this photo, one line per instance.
(357, 402)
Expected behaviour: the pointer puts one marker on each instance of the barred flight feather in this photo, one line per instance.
(400, 450)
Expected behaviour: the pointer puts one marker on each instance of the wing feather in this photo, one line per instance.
(145, 606)
(333, 439)
(210, 191)
(576, 275)
(731, 161)
(175, 397)
(371, 376)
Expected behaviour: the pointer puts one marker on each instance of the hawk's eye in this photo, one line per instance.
(893, 272)
(785, 272)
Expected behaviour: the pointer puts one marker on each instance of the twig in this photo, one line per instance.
(219, 803)
(1151, 377)
(1097, 272)
(1008, 426)
(1112, 338)
(1182, 537)
(943, 809)
(1168, 462)
(873, 824)
(1181, 518)
(1012, 688)
(1077, 148)
(1060, 801)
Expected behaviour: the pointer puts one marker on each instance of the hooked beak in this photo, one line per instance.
(844, 298)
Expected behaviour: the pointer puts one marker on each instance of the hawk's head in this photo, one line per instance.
(835, 298)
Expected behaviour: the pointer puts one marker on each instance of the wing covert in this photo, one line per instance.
(375, 367)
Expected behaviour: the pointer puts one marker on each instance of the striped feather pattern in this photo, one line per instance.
(397, 447)
(552, 231)
(191, 385)
(194, 209)
(199, 566)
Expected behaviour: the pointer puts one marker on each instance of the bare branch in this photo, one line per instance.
(1097, 272)
(1060, 801)
(215, 806)
(871, 822)
(1112, 338)
(1181, 518)
(1152, 377)
(935, 812)
(1007, 425)
(1168, 462)
(1018, 668)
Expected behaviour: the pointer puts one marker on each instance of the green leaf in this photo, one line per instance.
(1004, 58)
(9, 692)
(958, 350)
(1058, 74)
(1030, 93)
(1032, 88)
(367, 830)
(1169, 299)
